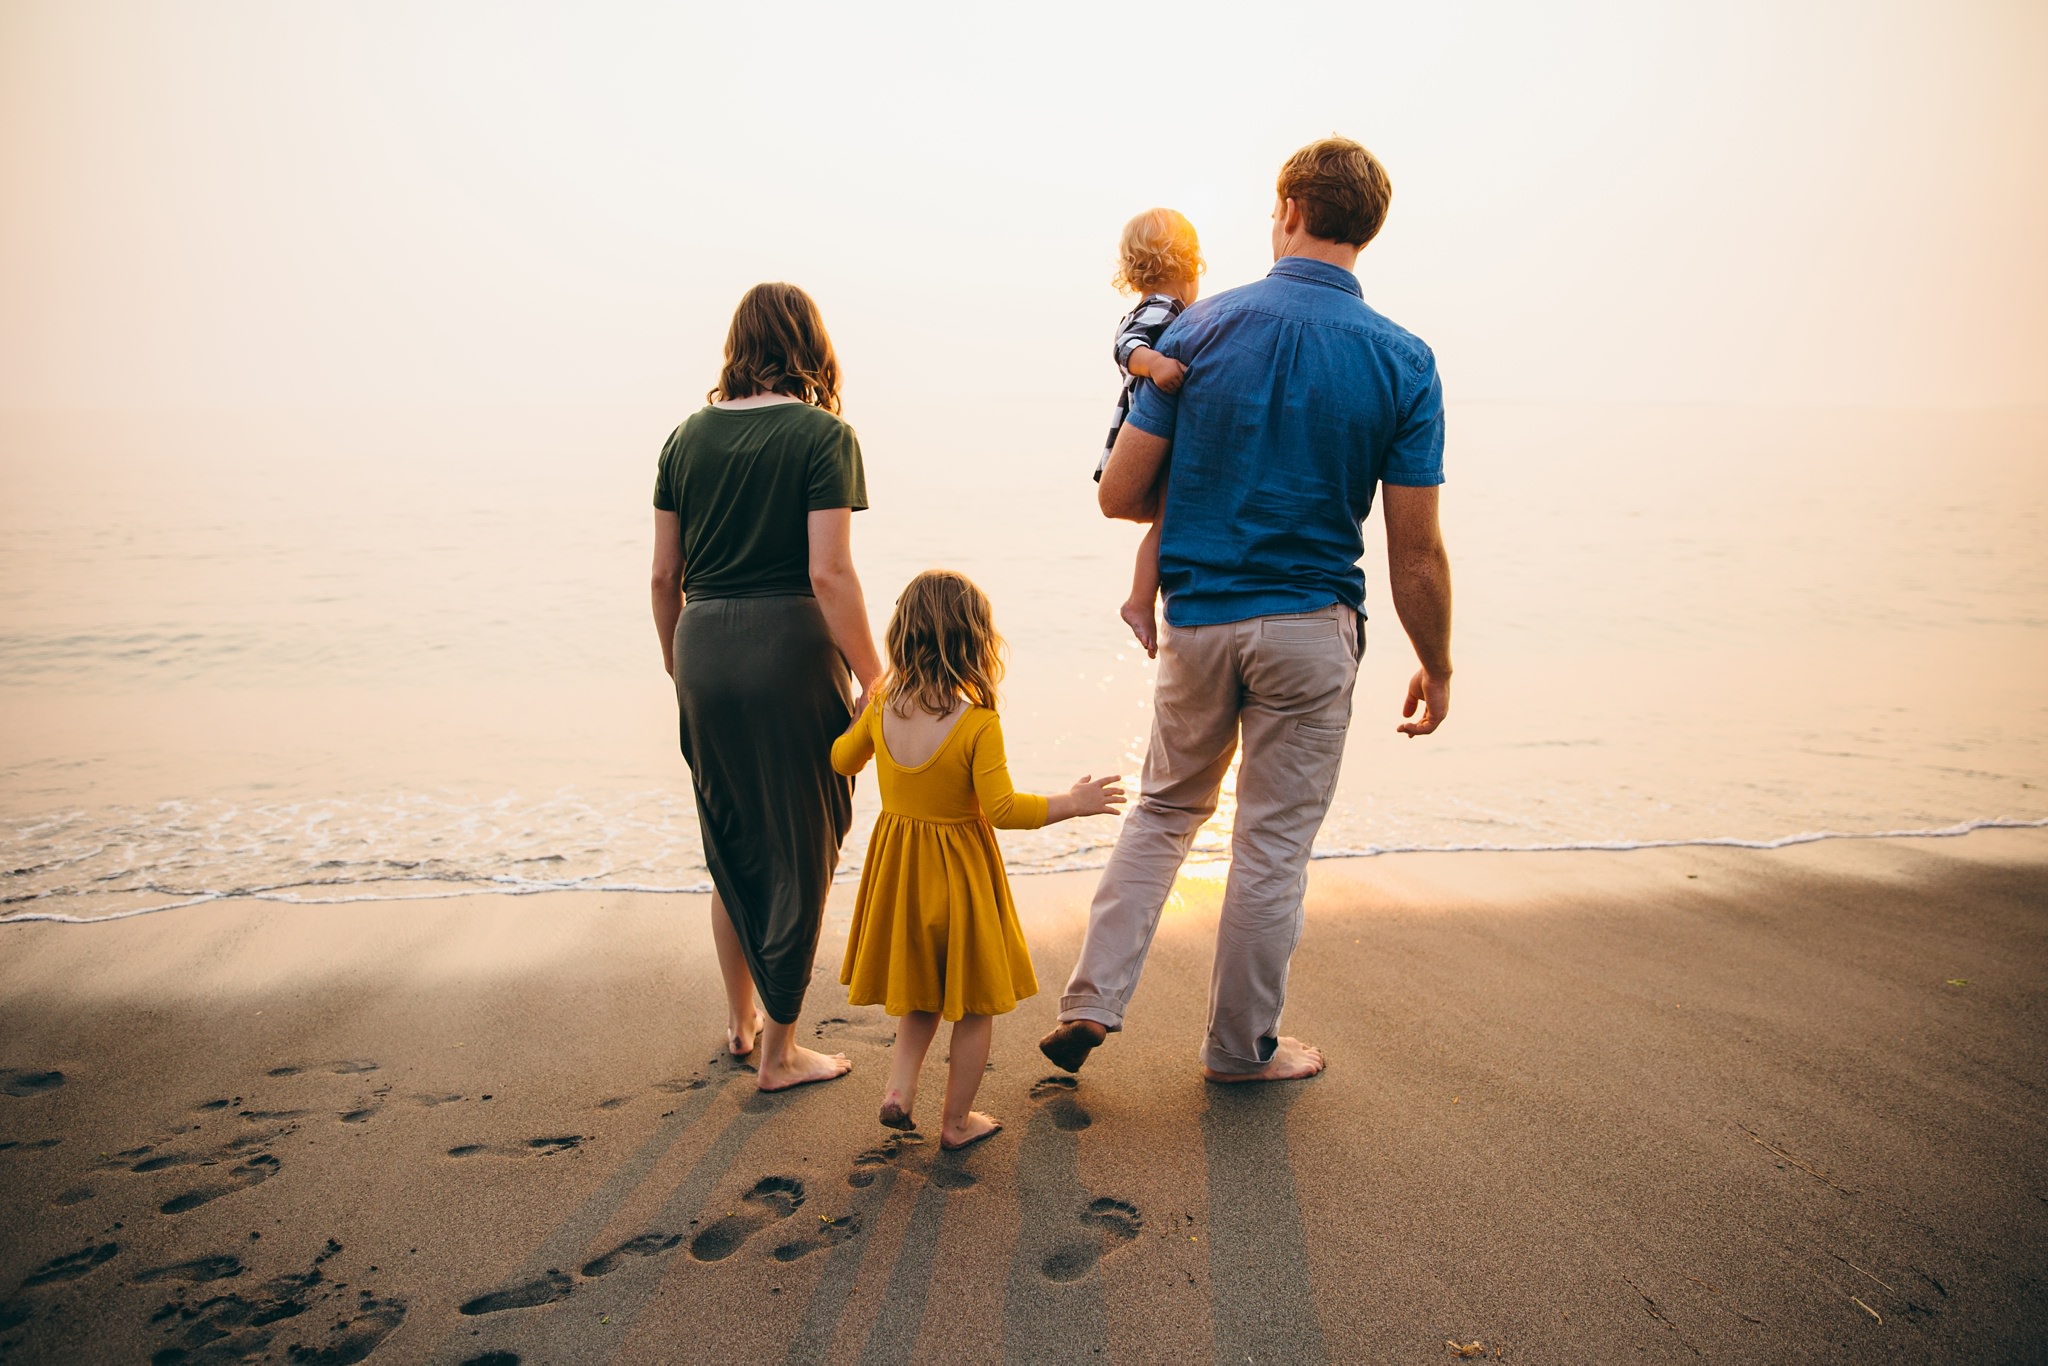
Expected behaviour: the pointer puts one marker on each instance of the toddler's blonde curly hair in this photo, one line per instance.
(1159, 248)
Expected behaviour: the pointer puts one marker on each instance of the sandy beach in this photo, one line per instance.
(1666, 1105)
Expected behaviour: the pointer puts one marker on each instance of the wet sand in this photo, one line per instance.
(1666, 1105)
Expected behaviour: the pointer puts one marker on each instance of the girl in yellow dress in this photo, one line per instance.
(935, 933)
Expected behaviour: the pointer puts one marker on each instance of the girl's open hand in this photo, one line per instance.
(1097, 796)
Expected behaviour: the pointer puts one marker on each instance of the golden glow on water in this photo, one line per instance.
(1200, 882)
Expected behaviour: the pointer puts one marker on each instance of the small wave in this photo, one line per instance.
(296, 893)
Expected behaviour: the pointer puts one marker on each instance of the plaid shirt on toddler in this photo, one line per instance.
(1139, 327)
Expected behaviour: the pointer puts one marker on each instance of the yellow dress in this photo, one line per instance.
(934, 927)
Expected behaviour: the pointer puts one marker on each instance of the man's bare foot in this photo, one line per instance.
(1292, 1060)
(800, 1068)
(1068, 1045)
(1138, 616)
(895, 1114)
(740, 1042)
(972, 1129)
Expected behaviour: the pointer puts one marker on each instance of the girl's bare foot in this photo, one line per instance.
(801, 1066)
(740, 1042)
(1138, 616)
(1292, 1060)
(895, 1114)
(974, 1128)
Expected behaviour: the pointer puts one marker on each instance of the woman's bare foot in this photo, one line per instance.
(740, 1042)
(972, 1129)
(801, 1066)
(1138, 616)
(1292, 1060)
(1068, 1045)
(895, 1114)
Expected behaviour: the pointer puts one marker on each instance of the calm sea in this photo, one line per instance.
(352, 656)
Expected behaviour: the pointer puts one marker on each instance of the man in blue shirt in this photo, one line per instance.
(1299, 402)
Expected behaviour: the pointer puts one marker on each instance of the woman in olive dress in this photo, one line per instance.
(761, 620)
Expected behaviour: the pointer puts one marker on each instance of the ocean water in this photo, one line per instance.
(318, 657)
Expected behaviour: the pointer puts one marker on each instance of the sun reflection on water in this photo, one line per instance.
(1201, 877)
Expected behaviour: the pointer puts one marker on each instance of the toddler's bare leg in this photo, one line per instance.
(1137, 609)
(963, 1125)
(914, 1034)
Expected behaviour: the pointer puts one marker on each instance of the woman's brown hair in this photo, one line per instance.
(778, 345)
(942, 646)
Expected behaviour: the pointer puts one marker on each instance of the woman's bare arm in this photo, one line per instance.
(668, 584)
(839, 596)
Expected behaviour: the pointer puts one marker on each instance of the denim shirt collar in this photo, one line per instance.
(1316, 272)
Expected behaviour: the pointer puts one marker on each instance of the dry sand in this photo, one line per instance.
(1670, 1105)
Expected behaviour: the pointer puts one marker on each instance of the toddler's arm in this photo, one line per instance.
(1164, 371)
(851, 751)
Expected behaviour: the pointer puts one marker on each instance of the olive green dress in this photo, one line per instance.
(761, 691)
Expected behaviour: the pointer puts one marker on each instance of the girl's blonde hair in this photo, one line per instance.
(942, 646)
(778, 345)
(1158, 249)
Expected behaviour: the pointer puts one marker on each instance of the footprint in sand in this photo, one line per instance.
(259, 1168)
(532, 1147)
(70, 1266)
(1055, 1095)
(1115, 1222)
(772, 1198)
(646, 1245)
(198, 1271)
(346, 1067)
(243, 1325)
(436, 1098)
(867, 1166)
(828, 1233)
(15, 1082)
(531, 1294)
(878, 1031)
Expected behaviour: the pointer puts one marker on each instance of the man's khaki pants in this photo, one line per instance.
(1286, 681)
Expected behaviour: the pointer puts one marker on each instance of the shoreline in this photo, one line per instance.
(271, 895)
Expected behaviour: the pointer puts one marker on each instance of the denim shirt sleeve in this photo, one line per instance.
(1415, 458)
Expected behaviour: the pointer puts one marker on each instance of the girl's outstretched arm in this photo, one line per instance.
(1009, 809)
(1005, 807)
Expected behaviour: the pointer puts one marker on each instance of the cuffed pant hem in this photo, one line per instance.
(1093, 1009)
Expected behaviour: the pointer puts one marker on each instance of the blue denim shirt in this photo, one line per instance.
(1299, 402)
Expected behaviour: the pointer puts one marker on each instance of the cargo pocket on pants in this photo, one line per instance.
(1328, 739)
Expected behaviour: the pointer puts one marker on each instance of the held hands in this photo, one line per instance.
(1432, 692)
(1096, 796)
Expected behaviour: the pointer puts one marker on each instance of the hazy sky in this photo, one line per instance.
(253, 203)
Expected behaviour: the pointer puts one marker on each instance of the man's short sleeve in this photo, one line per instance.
(664, 474)
(838, 479)
(1416, 457)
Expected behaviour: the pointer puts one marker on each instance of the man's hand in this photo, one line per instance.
(1433, 694)
(1163, 371)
